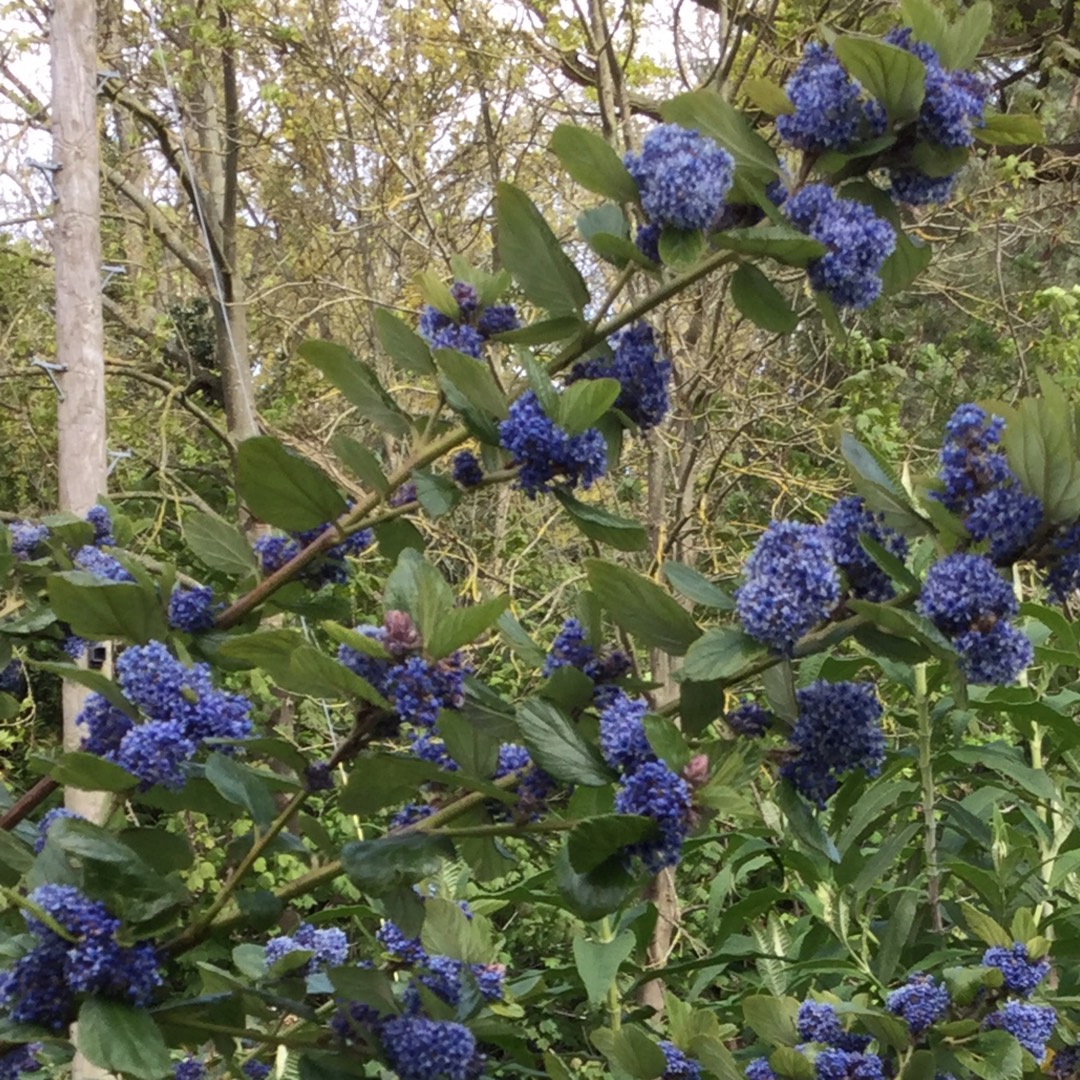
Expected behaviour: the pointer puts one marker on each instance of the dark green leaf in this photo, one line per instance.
(582, 403)
(619, 250)
(898, 925)
(608, 218)
(696, 586)
(761, 301)
(894, 76)
(533, 256)
(89, 772)
(623, 534)
(1014, 129)
(557, 746)
(438, 495)
(122, 1039)
(94, 680)
(667, 742)
(242, 786)
(14, 853)
(642, 608)
(284, 489)
(382, 866)
(939, 161)
(437, 293)
(462, 626)
(99, 610)
(905, 264)
(779, 242)
(402, 344)
(396, 536)
(804, 824)
(906, 624)
(416, 587)
(543, 332)
(591, 161)
(994, 1055)
(595, 841)
(367, 986)
(681, 248)
(598, 962)
(880, 488)
(721, 653)
(218, 545)
(360, 461)
(707, 112)
(474, 380)
(358, 384)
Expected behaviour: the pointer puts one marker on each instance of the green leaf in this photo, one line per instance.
(518, 638)
(681, 248)
(642, 608)
(557, 746)
(1012, 129)
(592, 162)
(283, 489)
(608, 218)
(416, 587)
(905, 264)
(461, 626)
(768, 96)
(100, 610)
(383, 866)
(906, 624)
(543, 332)
(880, 488)
(928, 24)
(721, 653)
(396, 536)
(898, 923)
(402, 344)
(218, 545)
(358, 384)
(242, 786)
(360, 461)
(761, 301)
(629, 1050)
(598, 962)
(89, 772)
(472, 379)
(436, 292)
(448, 931)
(623, 534)
(780, 242)
(804, 824)
(894, 76)
(95, 680)
(985, 928)
(772, 1018)
(596, 840)
(667, 742)
(438, 495)
(365, 985)
(787, 1062)
(619, 250)
(939, 161)
(994, 1055)
(122, 1039)
(707, 112)
(582, 403)
(530, 251)
(965, 37)
(696, 586)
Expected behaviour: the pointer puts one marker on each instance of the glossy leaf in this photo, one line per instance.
(965, 37)
(402, 344)
(623, 534)
(721, 653)
(894, 76)
(218, 545)
(284, 489)
(681, 248)
(768, 96)
(696, 586)
(761, 301)
(927, 22)
(558, 747)
(358, 384)
(592, 162)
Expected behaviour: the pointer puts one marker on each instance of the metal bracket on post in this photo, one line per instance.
(111, 270)
(48, 169)
(51, 370)
(115, 457)
(104, 76)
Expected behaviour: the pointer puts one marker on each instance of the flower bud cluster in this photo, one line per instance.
(273, 551)
(329, 947)
(474, 325)
(570, 649)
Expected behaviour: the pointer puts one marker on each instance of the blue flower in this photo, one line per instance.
(105, 726)
(411, 813)
(20, 1060)
(622, 734)
(920, 1001)
(915, 188)
(256, 1070)
(191, 610)
(101, 565)
(545, 452)
(1063, 573)
(497, 319)
(421, 1049)
(962, 591)
(318, 776)
(48, 821)
(828, 109)
(1022, 974)
(682, 177)
(791, 585)
(835, 1064)
(26, 538)
(653, 790)
(838, 729)
(749, 719)
(466, 470)
(329, 947)
(847, 521)
(643, 374)
(73, 645)
(189, 1069)
(1032, 1025)
(858, 243)
(405, 949)
(677, 1065)
(647, 240)
(11, 678)
(156, 752)
(101, 519)
(817, 1022)
(1007, 517)
(759, 1069)
(996, 656)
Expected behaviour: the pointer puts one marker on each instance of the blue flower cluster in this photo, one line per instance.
(979, 485)
(570, 649)
(838, 729)
(1063, 571)
(329, 947)
(835, 1064)
(682, 176)
(791, 585)
(23, 1059)
(749, 719)
(469, 332)
(535, 786)
(1022, 974)
(913, 187)
(654, 791)
(966, 599)
(643, 374)
(1032, 1025)
(818, 1022)
(847, 521)
(330, 568)
(421, 1049)
(759, 1069)
(545, 452)
(920, 1001)
(256, 1070)
(100, 564)
(191, 610)
(677, 1066)
(858, 243)
(406, 493)
(1065, 1064)
(26, 538)
(189, 1069)
(11, 677)
(58, 813)
(42, 986)
(466, 470)
(183, 710)
(829, 112)
(647, 240)
(623, 742)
